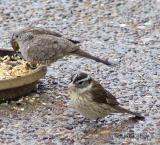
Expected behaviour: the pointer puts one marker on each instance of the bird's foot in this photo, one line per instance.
(97, 123)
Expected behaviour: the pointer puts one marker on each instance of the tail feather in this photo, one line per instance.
(87, 55)
(123, 110)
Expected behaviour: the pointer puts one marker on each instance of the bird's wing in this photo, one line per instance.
(47, 47)
(38, 30)
(100, 95)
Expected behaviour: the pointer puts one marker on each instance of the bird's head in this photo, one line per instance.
(14, 41)
(81, 82)
(18, 37)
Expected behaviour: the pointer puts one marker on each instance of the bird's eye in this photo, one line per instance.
(80, 83)
(16, 36)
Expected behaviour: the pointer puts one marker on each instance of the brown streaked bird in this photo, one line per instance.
(43, 46)
(91, 100)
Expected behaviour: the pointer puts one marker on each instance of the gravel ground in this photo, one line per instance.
(128, 31)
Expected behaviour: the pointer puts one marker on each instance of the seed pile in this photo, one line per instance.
(11, 67)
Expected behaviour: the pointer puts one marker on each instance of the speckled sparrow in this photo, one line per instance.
(43, 46)
(90, 99)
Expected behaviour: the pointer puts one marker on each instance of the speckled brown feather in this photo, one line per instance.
(100, 95)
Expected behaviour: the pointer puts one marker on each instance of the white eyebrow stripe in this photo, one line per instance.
(85, 79)
(76, 75)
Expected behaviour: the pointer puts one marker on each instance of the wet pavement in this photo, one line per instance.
(127, 31)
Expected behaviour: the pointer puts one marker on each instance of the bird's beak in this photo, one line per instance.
(14, 44)
(71, 85)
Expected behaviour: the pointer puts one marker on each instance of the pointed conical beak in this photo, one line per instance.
(71, 85)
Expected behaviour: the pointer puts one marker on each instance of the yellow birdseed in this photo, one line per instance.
(11, 67)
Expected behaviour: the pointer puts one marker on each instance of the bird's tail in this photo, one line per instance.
(82, 53)
(123, 110)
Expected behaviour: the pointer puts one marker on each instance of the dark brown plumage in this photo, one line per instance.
(44, 46)
(100, 95)
(92, 100)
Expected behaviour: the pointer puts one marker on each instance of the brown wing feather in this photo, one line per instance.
(48, 48)
(38, 30)
(100, 95)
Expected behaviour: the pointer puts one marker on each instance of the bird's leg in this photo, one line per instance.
(97, 120)
(96, 123)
